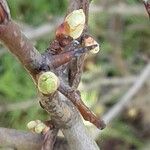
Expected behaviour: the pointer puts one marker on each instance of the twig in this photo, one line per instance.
(37, 33)
(22, 140)
(75, 97)
(87, 87)
(46, 29)
(62, 112)
(49, 139)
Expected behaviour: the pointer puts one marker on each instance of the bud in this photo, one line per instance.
(76, 23)
(39, 128)
(73, 24)
(48, 82)
(89, 42)
(31, 125)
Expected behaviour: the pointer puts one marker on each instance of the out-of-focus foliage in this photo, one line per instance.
(122, 136)
(36, 11)
(14, 82)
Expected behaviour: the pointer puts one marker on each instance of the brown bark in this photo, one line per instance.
(20, 46)
(76, 66)
(22, 140)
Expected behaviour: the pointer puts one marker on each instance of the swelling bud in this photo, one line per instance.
(31, 125)
(76, 23)
(73, 24)
(37, 126)
(48, 82)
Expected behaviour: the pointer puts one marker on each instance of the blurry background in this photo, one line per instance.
(122, 28)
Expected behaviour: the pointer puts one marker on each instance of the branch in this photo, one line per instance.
(22, 140)
(46, 29)
(75, 97)
(62, 112)
(20, 46)
(76, 66)
(86, 87)
(30, 58)
(8, 137)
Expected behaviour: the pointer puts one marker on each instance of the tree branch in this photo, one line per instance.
(76, 66)
(22, 140)
(61, 110)
(20, 46)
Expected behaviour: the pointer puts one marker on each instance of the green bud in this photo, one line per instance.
(48, 82)
(40, 128)
(31, 125)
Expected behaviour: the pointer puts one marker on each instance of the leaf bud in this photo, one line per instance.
(48, 82)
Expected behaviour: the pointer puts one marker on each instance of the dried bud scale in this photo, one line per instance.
(90, 41)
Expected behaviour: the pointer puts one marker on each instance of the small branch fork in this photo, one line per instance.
(65, 58)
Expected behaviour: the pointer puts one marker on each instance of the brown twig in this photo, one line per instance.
(75, 97)
(76, 66)
(49, 140)
(22, 140)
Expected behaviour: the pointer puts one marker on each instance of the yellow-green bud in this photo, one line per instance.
(31, 125)
(37, 126)
(76, 23)
(48, 82)
(40, 128)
